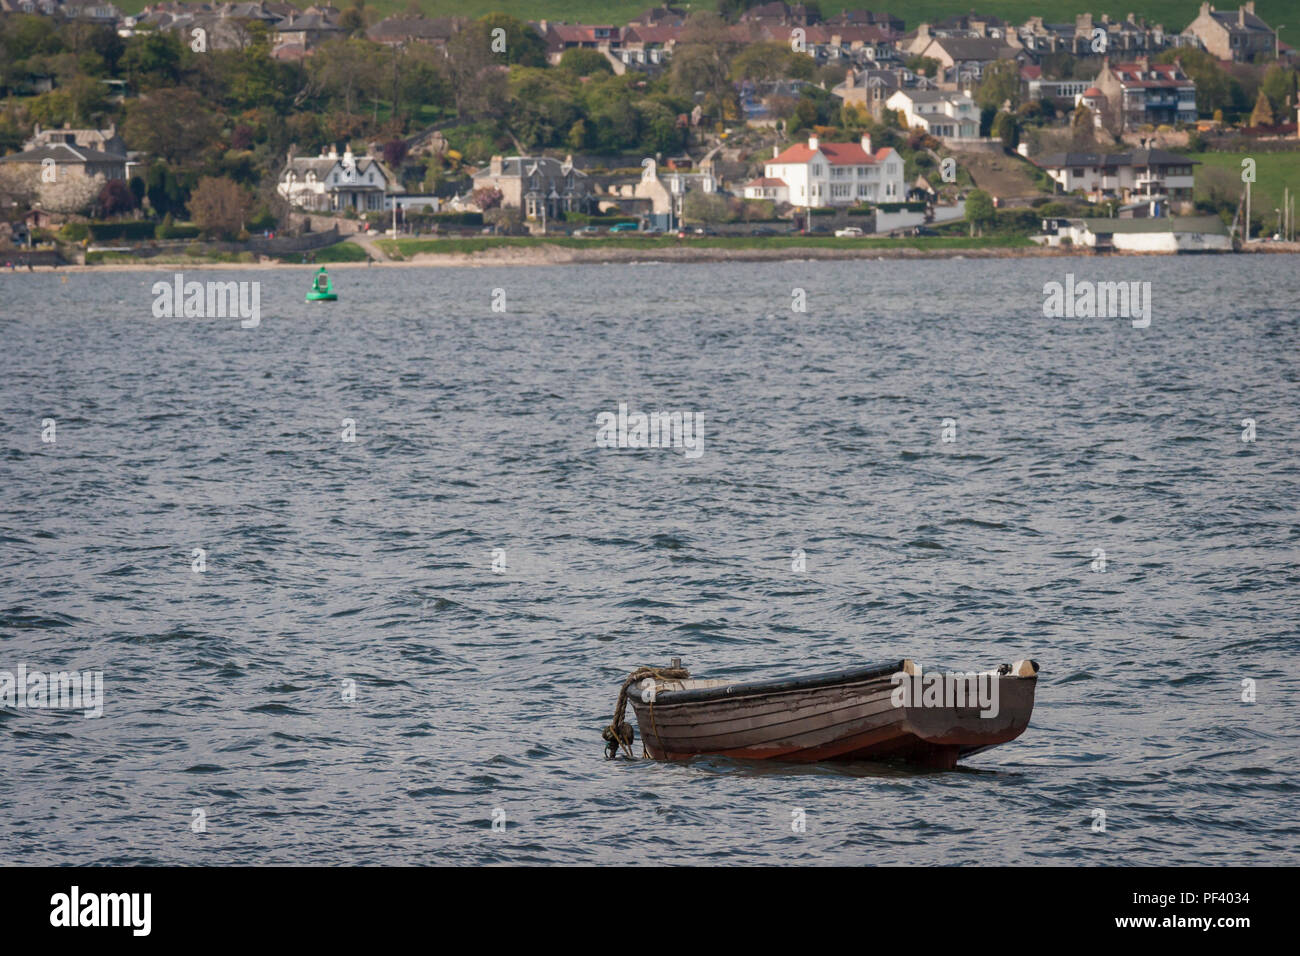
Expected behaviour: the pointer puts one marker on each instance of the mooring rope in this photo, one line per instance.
(619, 732)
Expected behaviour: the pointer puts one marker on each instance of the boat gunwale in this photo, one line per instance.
(772, 685)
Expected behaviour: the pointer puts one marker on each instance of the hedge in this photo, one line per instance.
(132, 229)
(458, 218)
(900, 206)
(582, 219)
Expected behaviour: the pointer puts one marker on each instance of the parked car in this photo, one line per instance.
(763, 231)
(586, 232)
(704, 231)
(923, 231)
(849, 232)
(623, 227)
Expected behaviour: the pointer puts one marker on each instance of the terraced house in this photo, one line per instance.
(1233, 35)
(1126, 96)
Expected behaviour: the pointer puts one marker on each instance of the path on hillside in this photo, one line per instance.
(368, 244)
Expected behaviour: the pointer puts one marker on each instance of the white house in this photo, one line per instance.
(830, 174)
(947, 115)
(331, 183)
(1172, 234)
(1138, 175)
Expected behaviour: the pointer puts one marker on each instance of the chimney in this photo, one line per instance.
(334, 152)
(1250, 7)
(496, 166)
(866, 143)
(1205, 9)
(776, 150)
(813, 144)
(1144, 64)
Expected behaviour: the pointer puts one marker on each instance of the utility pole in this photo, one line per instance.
(1247, 223)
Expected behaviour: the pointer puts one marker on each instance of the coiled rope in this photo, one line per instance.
(619, 732)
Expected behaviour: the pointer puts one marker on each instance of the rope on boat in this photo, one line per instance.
(619, 732)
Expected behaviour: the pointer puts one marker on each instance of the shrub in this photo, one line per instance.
(138, 229)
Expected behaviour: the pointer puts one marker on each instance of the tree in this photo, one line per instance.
(523, 45)
(174, 124)
(1082, 127)
(71, 193)
(115, 198)
(354, 18)
(219, 207)
(1007, 128)
(1001, 84)
(395, 153)
(582, 62)
(152, 59)
(17, 191)
(343, 71)
(702, 63)
(487, 198)
(163, 190)
(922, 65)
(1215, 89)
(1279, 85)
(770, 61)
(1262, 115)
(979, 210)
(477, 82)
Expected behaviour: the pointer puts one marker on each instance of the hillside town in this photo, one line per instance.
(264, 130)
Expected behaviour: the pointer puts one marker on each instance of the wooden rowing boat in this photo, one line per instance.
(866, 713)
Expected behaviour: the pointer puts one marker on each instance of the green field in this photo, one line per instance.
(1174, 14)
(405, 248)
(1273, 173)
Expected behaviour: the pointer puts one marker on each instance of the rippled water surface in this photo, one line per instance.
(371, 561)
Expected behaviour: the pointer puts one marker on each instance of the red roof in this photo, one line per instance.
(837, 154)
(1092, 91)
(654, 34)
(767, 181)
(1166, 74)
(849, 34)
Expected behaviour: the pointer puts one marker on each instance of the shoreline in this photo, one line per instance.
(544, 255)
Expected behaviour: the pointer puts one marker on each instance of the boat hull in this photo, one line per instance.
(847, 715)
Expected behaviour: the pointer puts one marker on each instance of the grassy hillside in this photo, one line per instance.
(1174, 14)
(1273, 173)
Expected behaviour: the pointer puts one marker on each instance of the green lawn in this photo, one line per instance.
(339, 252)
(406, 248)
(1273, 173)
